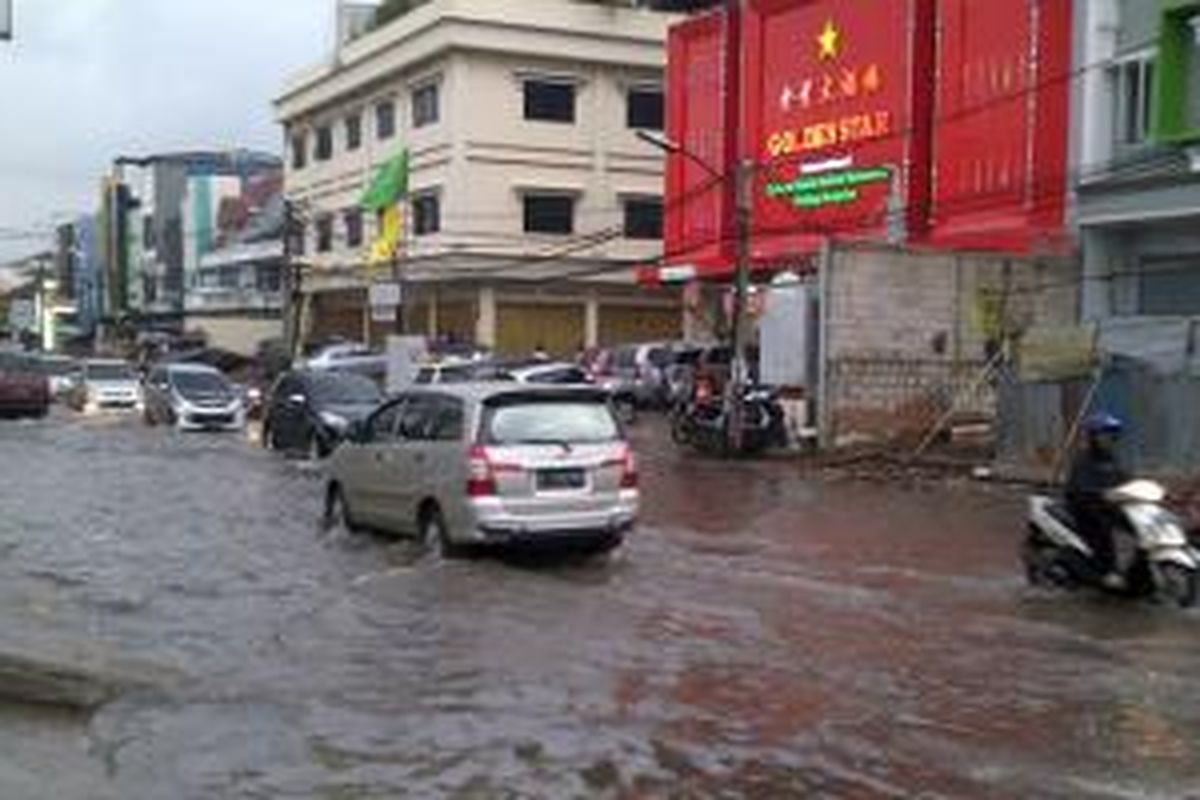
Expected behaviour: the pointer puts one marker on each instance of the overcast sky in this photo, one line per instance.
(85, 80)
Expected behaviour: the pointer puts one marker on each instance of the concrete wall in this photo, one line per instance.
(907, 333)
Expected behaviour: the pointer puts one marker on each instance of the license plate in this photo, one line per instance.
(560, 479)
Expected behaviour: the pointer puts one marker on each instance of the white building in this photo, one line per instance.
(531, 196)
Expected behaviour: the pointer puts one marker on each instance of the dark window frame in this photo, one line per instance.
(424, 112)
(424, 224)
(353, 128)
(541, 104)
(352, 219)
(323, 143)
(646, 228)
(324, 226)
(385, 131)
(529, 203)
(640, 113)
(299, 151)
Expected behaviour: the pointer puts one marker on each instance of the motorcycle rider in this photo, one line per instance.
(1096, 469)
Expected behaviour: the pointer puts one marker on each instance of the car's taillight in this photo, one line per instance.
(481, 479)
(629, 469)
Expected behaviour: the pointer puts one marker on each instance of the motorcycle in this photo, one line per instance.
(700, 422)
(1153, 554)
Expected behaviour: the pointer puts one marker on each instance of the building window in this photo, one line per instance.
(643, 218)
(1169, 287)
(354, 227)
(1133, 83)
(299, 151)
(427, 213)
(268, 277)
(549, 213)
(549, 101)
(354, 131)
(644, 109)
(425, 105)
(385, 119)
(324, 149)
(324, 234)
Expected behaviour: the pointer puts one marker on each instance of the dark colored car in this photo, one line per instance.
(311, 411)
(24, 391)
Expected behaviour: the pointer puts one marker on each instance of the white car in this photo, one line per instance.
(107, 384)
(193, 397)
(349, 357)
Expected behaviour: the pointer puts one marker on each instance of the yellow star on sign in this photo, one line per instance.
(829, 40)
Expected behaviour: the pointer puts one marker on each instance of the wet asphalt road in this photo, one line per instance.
(761, 635)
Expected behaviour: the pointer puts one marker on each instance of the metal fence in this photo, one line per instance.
(1162, 412)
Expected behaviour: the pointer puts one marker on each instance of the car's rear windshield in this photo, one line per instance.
(110, 372)
(550, 421)
(345, 389)
(200, 382)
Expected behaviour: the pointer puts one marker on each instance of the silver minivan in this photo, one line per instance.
(489, 464)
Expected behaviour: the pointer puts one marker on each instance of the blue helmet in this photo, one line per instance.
(1103, 422)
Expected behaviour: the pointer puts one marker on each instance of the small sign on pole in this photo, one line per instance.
(386, 293)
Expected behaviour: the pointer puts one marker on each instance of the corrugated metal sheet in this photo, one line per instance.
(1162, 413)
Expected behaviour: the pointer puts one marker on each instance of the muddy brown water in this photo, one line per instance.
(762, 635)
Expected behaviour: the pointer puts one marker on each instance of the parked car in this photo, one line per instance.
(106, 384)
(24, 392)
(349, 357)
(559, 372)
(489, 464)
(310, 411)
(638, 370)
(460, 371)
(193, 397)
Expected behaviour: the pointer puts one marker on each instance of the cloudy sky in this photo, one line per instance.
(85, 80)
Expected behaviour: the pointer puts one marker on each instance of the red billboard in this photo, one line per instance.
(833, 119)
(1000, 125)
(698, 217)
(926, 122)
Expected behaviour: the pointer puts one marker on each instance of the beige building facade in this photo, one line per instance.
(531, 197)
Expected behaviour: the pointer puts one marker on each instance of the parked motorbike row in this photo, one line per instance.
(704, 420)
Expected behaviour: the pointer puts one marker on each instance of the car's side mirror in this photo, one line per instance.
(357, 431)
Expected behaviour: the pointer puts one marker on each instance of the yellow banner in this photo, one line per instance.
(387, 242)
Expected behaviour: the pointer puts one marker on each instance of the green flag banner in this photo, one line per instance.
(390, 184)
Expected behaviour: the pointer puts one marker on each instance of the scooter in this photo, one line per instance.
(1154, 557)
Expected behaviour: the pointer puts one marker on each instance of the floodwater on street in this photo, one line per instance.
(761, 635)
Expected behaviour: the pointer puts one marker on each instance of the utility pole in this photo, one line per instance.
(743, 181)
(739, 368)
(293, 281)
